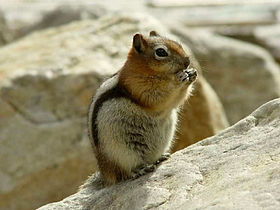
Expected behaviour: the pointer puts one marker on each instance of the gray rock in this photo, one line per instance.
(47, 80)
(227, 17)
(23, 18)
(269, 37)
(236, 169)
(63, 14)
(5, 33)
(244, 76)
(214, 14)
(265, 36)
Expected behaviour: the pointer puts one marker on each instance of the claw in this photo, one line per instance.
(192, 74)
(143, 170)
(163, 158)
(187, 75)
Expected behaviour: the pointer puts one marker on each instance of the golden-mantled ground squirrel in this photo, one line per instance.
(132, 118)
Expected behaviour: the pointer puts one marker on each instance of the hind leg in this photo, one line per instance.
(110, 171)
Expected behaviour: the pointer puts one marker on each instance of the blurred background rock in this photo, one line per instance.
(55, 54)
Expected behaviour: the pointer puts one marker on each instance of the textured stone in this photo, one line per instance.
(23, 18)
(269, 37)
(243, 75)
(236, 169)
(215, 14)
(46, 82)
(63, 14)
(265, 36)
(5, 33)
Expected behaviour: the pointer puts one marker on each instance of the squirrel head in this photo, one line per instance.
(159, 53)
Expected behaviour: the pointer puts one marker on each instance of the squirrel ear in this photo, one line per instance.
(139, 43)
(154, 33)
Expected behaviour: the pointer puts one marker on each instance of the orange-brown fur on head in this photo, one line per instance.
(150, 79)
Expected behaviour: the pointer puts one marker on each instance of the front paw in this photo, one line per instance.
(187, 75)
(142, 170)
(164, 157)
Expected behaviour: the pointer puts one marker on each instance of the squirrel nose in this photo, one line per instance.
(187, 62)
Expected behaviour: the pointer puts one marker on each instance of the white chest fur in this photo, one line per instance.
(128, 134)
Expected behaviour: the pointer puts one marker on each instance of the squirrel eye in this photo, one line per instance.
(161, 52)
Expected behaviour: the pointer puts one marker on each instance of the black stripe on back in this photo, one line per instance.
(116, 92)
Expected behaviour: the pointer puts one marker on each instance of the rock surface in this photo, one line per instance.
(4, 30)
(46, 82)
(269, 37)
(265, 36)
(25, 17)
(243, 75)
(200, 14)
(60, 15)
(236, 169)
